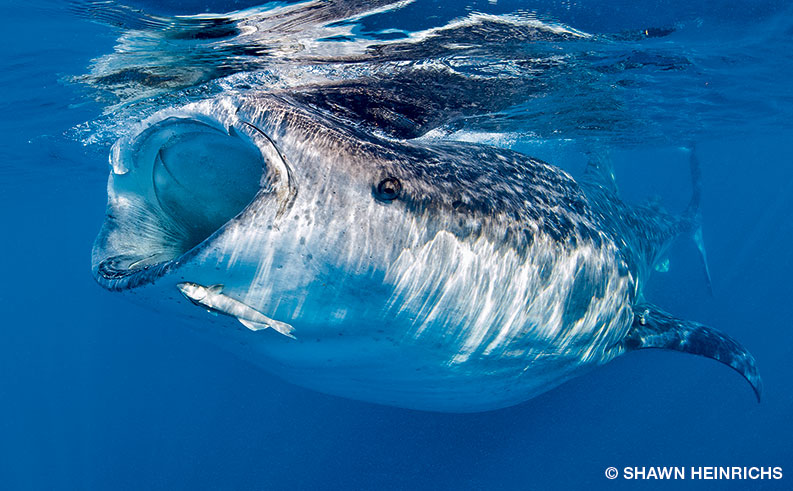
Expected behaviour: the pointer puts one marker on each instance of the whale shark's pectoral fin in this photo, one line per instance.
(279, 326)
(654, 328)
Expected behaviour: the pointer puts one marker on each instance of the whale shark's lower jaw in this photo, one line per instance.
(172, 187)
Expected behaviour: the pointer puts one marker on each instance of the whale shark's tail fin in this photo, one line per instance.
(692, 217)
(654, 328)
(703, 256)
(649, 223)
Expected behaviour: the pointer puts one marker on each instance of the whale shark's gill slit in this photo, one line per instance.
(291, 185)
(188, 178)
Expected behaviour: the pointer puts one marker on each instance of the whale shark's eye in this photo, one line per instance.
(388, 189)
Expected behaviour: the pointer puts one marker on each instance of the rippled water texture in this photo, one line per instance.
(521, 75)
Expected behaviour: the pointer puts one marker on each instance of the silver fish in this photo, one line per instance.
(212, 298)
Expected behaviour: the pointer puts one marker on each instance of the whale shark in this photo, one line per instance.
(426, 274)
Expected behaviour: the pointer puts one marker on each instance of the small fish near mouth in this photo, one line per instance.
(212, 298)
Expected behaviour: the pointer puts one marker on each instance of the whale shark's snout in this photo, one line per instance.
(172, 186)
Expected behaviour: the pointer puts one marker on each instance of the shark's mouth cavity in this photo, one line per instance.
(171, 187)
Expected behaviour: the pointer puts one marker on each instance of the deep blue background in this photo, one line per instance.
(97, 393)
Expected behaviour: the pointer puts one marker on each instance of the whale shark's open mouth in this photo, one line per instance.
(171, 187)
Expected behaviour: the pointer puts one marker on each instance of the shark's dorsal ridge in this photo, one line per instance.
(600, 169)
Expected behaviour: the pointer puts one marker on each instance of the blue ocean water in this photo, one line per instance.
(99, 393)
